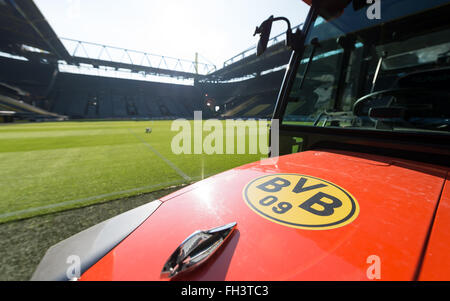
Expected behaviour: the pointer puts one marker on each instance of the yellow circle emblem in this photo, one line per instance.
(300, 201)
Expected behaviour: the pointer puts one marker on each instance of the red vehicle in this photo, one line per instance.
(360, 191)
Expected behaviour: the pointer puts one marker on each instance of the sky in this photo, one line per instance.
(216, 29)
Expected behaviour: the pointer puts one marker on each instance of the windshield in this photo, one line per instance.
(391, 74)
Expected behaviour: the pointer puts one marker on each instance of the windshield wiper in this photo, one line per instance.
(315, 43)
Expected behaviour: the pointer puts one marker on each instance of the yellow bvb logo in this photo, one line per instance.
(301, 201)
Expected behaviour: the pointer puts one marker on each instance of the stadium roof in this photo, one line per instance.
(24, 31)
(275, 56)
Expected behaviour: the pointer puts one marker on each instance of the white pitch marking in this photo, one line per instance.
(174, 167)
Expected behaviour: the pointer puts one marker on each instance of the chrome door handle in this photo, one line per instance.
(196, 249)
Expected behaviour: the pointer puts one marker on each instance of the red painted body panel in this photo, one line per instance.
(436, 265)
(397, 201)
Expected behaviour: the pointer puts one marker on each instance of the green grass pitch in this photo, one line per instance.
(49, 167)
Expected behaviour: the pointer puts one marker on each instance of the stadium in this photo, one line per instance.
(74, 116)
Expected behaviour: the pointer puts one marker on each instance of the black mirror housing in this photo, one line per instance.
(264, 34)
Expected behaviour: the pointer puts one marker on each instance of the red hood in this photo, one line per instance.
(396, 200)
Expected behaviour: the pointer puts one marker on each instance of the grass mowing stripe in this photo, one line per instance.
(174, 167)
(73, 202)
(42, 164)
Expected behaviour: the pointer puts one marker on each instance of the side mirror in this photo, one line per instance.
(264, 34)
